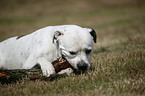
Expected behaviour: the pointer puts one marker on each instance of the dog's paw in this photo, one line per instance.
(47, 71)
(67, 71)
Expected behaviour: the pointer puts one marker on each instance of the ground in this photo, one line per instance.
(118, 62)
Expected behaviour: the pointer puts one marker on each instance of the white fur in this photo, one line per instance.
(38, 48)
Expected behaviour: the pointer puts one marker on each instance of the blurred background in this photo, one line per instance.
(19, 17)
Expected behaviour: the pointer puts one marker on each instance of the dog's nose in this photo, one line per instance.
(82, 66)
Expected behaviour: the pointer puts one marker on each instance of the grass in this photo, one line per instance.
(118, 67)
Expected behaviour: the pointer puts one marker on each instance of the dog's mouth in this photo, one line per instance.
(76, 71)
(63, 57)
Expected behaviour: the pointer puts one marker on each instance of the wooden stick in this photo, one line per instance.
(8, 76)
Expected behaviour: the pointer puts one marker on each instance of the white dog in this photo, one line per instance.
(45, 45)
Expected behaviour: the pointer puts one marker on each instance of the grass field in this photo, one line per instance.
(118, 62)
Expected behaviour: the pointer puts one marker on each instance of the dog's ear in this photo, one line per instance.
(56, 35)
(93, 34)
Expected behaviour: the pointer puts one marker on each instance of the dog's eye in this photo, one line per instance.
(72, 53)
(88, 51)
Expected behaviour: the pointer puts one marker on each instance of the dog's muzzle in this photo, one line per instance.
(63, 56)
(82, 66)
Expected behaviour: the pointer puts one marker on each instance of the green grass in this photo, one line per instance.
(118, 61)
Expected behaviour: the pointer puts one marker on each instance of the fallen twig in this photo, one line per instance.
(8, 76)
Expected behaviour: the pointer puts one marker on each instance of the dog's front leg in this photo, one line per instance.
(46, 66)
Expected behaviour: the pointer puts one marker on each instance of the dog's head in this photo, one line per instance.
(76, 45)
